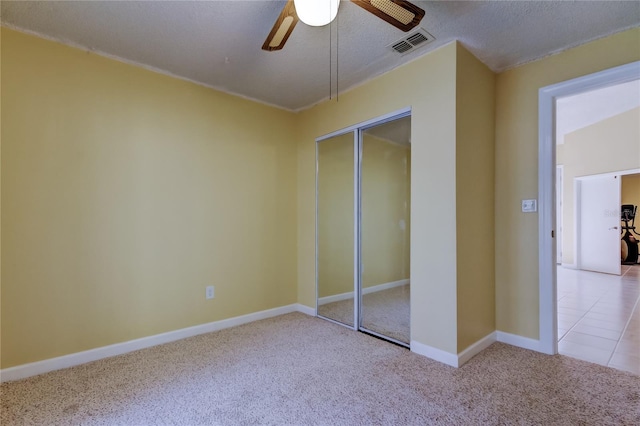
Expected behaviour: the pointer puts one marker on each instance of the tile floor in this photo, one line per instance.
(599, 317)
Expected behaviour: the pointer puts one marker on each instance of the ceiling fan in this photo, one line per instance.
(399, 13)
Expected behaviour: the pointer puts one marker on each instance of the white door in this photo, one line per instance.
(598, 227)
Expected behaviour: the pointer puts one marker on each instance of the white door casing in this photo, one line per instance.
(548, 337)
(559, 195)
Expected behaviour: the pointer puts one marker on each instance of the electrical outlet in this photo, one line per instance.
(210, 293)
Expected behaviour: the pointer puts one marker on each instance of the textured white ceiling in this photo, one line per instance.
(582, 110)
(217, 43)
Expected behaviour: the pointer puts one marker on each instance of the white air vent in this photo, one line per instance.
(411, 42)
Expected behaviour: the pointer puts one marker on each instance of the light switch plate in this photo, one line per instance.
(529, 206)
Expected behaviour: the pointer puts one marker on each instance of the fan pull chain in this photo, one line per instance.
(331, 57)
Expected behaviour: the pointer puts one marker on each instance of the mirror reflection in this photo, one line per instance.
(335, 228)
(385, 229)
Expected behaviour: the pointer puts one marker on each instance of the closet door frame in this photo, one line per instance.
(358, 176)
(357, 131)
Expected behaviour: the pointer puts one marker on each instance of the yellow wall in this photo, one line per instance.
(431, 95)
(631, 194)
(125, 193)
(475, 135)
(610, 145)
(452, 158)
(517, 301)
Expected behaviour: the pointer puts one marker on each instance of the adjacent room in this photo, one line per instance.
(598, 160)
(241, 212)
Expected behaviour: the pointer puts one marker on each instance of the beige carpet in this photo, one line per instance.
(386, 312)
(298, 370)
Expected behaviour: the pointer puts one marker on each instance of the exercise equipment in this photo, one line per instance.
(629, 243)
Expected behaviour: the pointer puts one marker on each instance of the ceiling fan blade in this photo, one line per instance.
(399, 13)
(282, 28)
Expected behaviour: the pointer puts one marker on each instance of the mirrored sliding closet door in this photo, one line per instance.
(385, 191)
(335, 228)
(363, 227)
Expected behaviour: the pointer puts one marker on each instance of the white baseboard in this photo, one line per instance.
(464, 356)
(519, 341)
(367, 290)
(65, 361)
(306, 309)
(476, 348)
(335, 298)
(453, 359)
(385, 286)
(434, 353)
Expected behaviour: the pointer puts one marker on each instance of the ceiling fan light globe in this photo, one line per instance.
(317, 13)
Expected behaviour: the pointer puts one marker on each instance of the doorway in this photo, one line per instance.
(597, 299)
(561, 311)
(363, 178)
